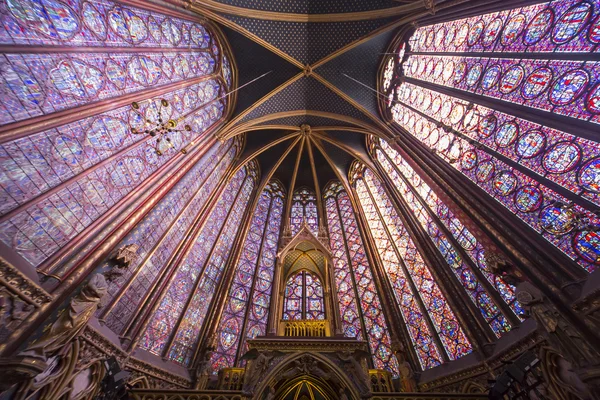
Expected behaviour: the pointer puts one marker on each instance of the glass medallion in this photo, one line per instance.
(436, 105)
(536, 83)
(592, 102)
(433, 137)
(76, 78)
(507, 134)
(93, 20)
(528, 198)
(474, 74)
(437, 71)
(154, 29)
(538, 27)
(450, 36)
(569, 87)
(446, 109)
(115, 73)
(440, 35)
(238, 300)
(594, 32)
(68, 150)
(485, 171)
(513, 29)
(491, 76)
(492, 32)
(589, 176)
(430, 38)
(144, 70)
(587, 246)
(531, 144)
(571, 22)
(171, 31)
(475, 33)
(229, 333)
(469, 160)
(443, 143)
(505, 183)
(561, 157)
(487, 126)
(449, 71)
(167, 67)
(458, 111)
(49, 17)
(127, 25)
(459, 73)
(557, 220)
(461, 35)
(511, 79)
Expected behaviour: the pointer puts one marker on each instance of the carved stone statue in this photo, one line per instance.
(204, 372)
(499, 265)
(408, 382)
(560, 334)
(351, 361)
(270, 393)
(71, 320)
(342, 394)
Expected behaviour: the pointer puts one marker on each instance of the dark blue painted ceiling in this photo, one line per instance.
(309, 42)
(312, 6)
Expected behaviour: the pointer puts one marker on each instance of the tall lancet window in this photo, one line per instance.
(73, 157)
(304, 211)
(247, 305)
(359, 302)
(429, 320)
(511, 100)
(159, 234)
(303, 297)
(174, 328)
(437, 219)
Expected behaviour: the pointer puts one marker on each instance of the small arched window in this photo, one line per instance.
(303, 297)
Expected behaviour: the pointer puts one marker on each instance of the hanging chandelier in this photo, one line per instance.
(161, 128)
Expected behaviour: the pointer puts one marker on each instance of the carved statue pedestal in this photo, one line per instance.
(19, 369)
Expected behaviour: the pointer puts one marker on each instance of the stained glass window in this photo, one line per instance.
(195, 280)
(304, 211)
(303, 297)
(161, 231)
(354, 280)
(482, 93)
(247, 305)
(431, 323)
(423, 201)
(75, 158)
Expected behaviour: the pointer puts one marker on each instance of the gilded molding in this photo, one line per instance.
(96, 347)
(216, 6)
(16, 281)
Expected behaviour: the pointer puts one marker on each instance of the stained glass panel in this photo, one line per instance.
(354, 280)
(460, 74)
(62, 177)
(304, 211)
(249, 286)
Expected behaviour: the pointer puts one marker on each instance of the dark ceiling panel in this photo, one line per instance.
(312, 6)
(253, 60)
(306, 119)
(360, 63)
(308, 42)
(306, 94)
